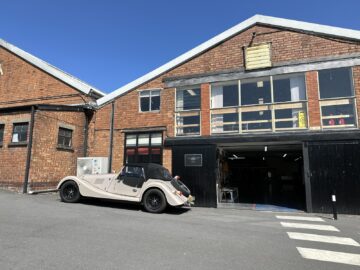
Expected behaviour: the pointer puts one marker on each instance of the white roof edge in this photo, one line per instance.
(54, 71)
(267, 20)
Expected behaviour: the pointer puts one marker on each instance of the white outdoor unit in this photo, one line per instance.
(92, 165)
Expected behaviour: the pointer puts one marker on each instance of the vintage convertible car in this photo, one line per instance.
(149, 184)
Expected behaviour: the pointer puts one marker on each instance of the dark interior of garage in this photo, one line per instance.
(261, 174)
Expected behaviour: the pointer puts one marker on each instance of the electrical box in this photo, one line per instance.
(92, 165)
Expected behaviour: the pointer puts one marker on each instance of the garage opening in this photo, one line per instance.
(261, 177)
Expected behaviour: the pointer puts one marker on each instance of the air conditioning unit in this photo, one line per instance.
(92, 165)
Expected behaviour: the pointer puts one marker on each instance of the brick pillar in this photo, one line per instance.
(205, 109)
(313, 99)
(356, 78)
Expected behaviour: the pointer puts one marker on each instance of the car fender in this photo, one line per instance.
(88, 190)
(169, 192)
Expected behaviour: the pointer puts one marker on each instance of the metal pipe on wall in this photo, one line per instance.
(28, 157)
(111, 136)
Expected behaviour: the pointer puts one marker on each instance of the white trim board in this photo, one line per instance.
(52, 70)
(257, 19)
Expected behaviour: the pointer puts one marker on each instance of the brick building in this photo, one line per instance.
(44, 116)
(264, 113)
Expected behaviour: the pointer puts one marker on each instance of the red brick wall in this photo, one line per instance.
(286, 46)
(24, 84)
(205, 109)
(356, 76)
(312, 88)
(49, 164)
(12, 159)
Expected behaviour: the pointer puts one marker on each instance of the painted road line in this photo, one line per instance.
(309, 226)
(329, 256)
(301, 218)
(323, 238)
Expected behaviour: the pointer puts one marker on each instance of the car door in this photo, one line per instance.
(129, 181)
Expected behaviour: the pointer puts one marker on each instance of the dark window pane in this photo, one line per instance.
(290, 88)
(255, 120)
(230, 95)
(190, 99)
(335, 115)
(65, 137)
(255, 92)
(2, 127)
(20, 132)
(335, 83)
(155, 103)
(145, 104)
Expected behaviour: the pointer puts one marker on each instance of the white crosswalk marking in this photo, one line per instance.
(323, 238)
(309, 226)
(329, 256)
(301, 218)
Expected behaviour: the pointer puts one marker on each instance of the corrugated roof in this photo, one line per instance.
(52, 70)
(257, 19)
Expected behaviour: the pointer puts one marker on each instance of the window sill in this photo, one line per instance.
(64, 148)
(156, 111)
(17, 144)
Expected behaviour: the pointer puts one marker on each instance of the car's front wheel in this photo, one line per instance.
(154, 201)
(69, 192)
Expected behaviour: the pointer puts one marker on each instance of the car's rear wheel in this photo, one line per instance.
(154, 201)
(69, 192)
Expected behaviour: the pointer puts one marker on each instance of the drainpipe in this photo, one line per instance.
(111, 135)
(86, 133)
(28, 157)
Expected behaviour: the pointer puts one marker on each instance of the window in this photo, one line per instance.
(188, 103)
(337, 98)
(20, 133)
(225, 95)
(2, 128)
(188, 99)
(149, 100)
(272, 103)
(65, 137)
(143, 148)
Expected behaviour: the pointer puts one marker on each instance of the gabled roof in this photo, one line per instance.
(257, 19)
(54, 71)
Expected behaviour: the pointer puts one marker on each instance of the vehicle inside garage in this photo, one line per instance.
(260, 176)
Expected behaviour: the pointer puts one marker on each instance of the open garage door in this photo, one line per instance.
(261, 177)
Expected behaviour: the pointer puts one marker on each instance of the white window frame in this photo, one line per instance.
(150, 96)
(337, 101)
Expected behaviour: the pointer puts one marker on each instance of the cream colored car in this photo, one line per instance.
(149, 184)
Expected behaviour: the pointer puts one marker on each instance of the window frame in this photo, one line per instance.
(2, 132)
(333, 101)
(179, 112)
(150, 146)
(24, 142)
(150, 96)
(63, 146)
(301, 104)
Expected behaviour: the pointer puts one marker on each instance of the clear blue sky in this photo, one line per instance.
(109, 43)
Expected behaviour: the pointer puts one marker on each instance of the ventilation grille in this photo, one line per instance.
(258, 56)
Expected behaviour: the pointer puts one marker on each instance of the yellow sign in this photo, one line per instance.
(302, 121)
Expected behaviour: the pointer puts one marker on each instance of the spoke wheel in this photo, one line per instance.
(69, 192)
(154, 201)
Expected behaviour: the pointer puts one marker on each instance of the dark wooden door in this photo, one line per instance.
(335, 165)
(200, 179)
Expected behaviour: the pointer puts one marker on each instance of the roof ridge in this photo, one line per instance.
(256, 19)
(51, 69)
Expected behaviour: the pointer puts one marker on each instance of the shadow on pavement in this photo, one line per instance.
(130, 206)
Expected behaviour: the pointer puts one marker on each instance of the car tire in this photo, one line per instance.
(154, 201)
(180, 186)
(69, 192)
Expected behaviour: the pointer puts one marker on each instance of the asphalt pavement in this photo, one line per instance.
(40, 232)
